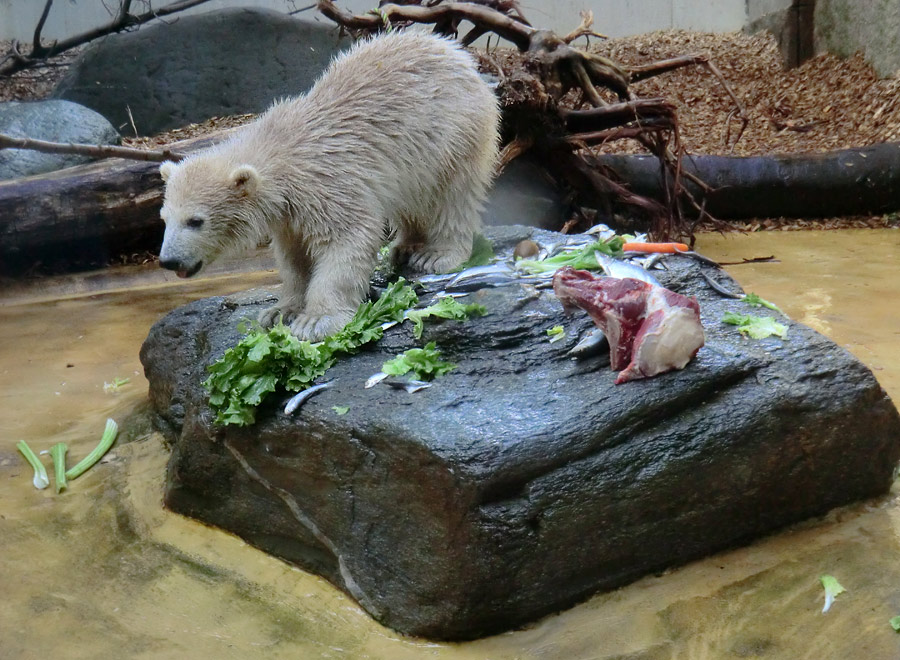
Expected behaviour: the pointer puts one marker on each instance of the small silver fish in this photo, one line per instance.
(479, 271)
(410, 386)
(718, 288)
(593, 343)
(301, 398)
(621, 269)
(374, 379)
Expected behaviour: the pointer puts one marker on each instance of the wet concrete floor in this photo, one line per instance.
(103, 571)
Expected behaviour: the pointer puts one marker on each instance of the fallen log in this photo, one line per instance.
(112, 206)
(104, 208)
(855, 181)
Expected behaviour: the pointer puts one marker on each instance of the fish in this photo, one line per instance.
(593, 343)
(718, 288)
(622, 269)
(374, 379)
(301, 398)
(410, 386)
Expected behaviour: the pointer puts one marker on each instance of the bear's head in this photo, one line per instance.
(209, 209)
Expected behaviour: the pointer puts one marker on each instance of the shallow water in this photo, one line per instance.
(103, 571)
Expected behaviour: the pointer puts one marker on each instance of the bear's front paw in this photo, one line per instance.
(313, 327)
(287, 313)
(436, 261)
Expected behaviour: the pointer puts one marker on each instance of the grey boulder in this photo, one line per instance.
(523, 481)
(53, 121)
(226, 62)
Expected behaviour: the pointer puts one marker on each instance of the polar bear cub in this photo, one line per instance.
(400, 134)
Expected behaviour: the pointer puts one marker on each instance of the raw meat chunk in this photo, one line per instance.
(650, 329)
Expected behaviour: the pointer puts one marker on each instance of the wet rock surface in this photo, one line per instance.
(523, 481)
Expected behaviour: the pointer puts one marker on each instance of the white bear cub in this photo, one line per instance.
(400, 134)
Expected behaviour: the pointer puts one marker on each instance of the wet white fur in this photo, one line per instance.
(400, 133)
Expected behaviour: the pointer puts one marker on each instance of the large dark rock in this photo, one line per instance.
(54, 121)
(225, 62)
(523, 481)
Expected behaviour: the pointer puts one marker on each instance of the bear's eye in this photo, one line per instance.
(194, 223)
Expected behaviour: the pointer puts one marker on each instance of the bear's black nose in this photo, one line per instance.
(170, 264)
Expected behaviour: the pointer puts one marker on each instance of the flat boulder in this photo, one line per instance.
(54, 121)
(175, 72)
(525, 480)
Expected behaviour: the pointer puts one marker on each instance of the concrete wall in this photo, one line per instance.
(613, 17)
(844, 27)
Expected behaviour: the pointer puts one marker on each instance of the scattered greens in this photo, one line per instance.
(115, 385)
(895, 623)
(86, 463)
(482, 253)
(755, 301)
(556, 333)
(40, 472)
(832, 589)
(263, 361)
(341, 410)
(58, 454)
(582, 259)
(445, 308)
(757, 327)
(425, 363)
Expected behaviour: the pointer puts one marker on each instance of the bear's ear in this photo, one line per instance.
(166, 169)
(245, 179)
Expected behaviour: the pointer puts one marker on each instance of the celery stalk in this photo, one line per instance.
(85, 464)
(58, 454)
(40, 473)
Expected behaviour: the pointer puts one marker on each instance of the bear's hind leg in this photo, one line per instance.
(455, 220)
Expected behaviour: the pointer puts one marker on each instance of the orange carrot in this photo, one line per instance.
(665, 248)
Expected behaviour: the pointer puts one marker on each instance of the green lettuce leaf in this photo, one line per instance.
(755, 301)
(757, 327)
(425, 363)
(262, 361)
(832, 589)
(482, 253)
(556, 333)
(445, 308)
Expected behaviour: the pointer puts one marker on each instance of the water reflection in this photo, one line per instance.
(103, 571)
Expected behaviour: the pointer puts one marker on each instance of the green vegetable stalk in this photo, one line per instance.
(755, 301)
(583, 259)
(40, 479)
(106, 441)
(58, 454)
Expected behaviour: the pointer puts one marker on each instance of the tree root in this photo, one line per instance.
(534, 100)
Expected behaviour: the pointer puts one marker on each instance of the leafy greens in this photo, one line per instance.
(263, 361)
(445, 308)
(425, 363)
(582, 259)
(757, 327)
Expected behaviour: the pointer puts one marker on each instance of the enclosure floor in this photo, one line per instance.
(102, 570)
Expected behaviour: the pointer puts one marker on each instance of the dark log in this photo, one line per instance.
(113, 205)
(846, 182)
(105, 206)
